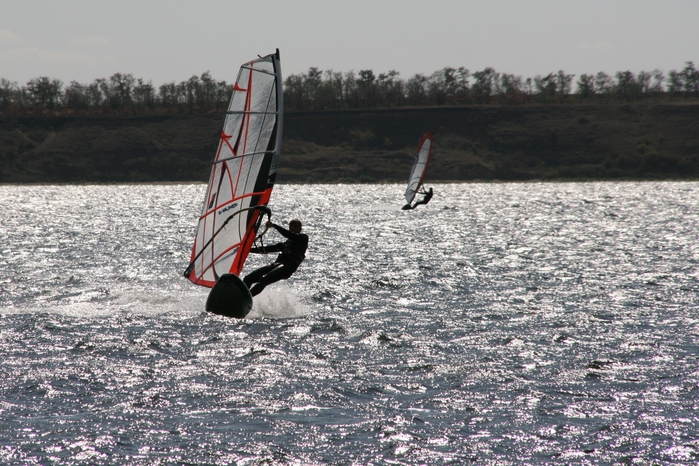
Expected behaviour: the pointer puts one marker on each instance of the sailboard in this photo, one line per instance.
(417, 172)
(242, 177)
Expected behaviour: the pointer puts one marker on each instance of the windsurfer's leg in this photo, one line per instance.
(256, 275)
(422, 201)
(257, 289)
(279, 272)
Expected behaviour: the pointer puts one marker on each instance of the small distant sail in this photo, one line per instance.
(417, 173)
(242, 175)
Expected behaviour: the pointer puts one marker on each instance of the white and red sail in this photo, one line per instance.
(417, 173)
(242, 175)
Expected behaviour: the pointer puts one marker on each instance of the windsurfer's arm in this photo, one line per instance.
(283, 231)
(265, 249)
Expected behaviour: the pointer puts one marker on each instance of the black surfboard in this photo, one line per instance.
(229, 297)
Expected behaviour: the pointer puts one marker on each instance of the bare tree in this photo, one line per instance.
(586, 86)
(168, 94)
(690, 78)
(312, 82)
(120, 88)
(658, 79)
(484, 87)
(416, 90)
(675, 83)
(45, 92)
(8, 90)
(564, 83)
(510, 86)
(76, 96)
(462, 84)
(351, 90)
(643, 80)
(294, 92)
(366, 85)
(546, 86)
(95, 91)
(626, 86)
(144, 94)
(391, 88)
(335, 88)
(208, 92)
(604, 84)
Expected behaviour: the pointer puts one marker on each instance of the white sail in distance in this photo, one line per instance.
(417, 172)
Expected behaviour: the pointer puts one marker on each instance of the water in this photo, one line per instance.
(502, 324)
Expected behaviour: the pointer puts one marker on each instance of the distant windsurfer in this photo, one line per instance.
(427, 195)
(293, 252)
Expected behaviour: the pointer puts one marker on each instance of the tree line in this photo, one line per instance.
(323, 90)
(120, 93)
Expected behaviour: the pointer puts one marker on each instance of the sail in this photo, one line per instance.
(242, 175)
(417, 173)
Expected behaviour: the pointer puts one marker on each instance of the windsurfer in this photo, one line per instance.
(293, 252)
(427, 195)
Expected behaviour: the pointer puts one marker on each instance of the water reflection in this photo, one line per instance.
(502, 323)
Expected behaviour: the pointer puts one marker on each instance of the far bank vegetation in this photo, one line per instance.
(333, 90)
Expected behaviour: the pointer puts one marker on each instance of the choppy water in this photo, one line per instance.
(501, 324)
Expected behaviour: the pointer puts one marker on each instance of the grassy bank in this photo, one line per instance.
(471, 143)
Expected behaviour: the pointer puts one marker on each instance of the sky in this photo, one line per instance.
(172, 40)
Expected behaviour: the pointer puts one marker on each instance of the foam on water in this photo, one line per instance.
(278, 301)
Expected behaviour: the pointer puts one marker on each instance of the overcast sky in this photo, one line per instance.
(171, 40)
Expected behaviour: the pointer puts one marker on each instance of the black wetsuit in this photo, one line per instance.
(425, 200)
(293, 252)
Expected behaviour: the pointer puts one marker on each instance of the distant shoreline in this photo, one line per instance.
(392, 183)
(477, 143)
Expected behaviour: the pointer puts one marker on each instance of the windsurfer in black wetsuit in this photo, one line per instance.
(293, 252)
(427, 196)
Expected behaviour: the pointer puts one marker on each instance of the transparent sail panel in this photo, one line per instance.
(242, 175)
